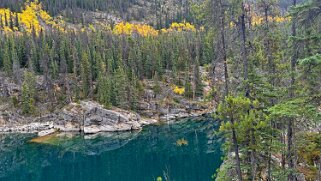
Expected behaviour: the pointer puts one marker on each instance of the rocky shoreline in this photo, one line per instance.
(88, 117)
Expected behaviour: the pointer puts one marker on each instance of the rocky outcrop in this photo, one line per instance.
(168, 106)
(8, 87)
(34, 127)
(97, 119)
(87, 116)
(91, 117)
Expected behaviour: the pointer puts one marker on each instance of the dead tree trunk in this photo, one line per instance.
(291, 161)
(224, 56)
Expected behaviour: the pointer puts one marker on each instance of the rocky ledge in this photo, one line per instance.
(86, 116)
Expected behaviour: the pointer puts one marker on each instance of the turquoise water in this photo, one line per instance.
(136, 156)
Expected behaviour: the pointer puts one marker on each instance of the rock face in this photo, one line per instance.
(97, 119)
(90, 117)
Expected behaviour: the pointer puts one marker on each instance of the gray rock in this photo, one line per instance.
(87, 116)
(177, 111)
(46, 132)
(93, 118)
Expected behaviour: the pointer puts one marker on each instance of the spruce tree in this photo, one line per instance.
(7, 63)
(85, 74)
(15, 63)
(28, 93)
(120, 88)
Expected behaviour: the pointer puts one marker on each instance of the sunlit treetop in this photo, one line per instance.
(257, 20)
(184, 26)
(32, 18)
(128, 29)
(146, 30)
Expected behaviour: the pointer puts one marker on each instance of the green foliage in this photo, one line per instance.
(15, 101)
(120, 88)
(223, 173)
(28, 93)
(157, 88)
(309, 146)
(85, 74)
(301, 108)
(104, 91)
(312, 60)
(233, 107)
(7, 63)
(188, 90)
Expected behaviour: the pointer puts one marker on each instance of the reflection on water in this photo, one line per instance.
(125, 156)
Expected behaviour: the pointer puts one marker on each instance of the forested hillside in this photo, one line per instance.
(255, 64)
(160, 13)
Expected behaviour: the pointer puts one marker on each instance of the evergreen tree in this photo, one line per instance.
(85, 74)
(7, 63)
(15, 63)
(120, 88)
(28, 93)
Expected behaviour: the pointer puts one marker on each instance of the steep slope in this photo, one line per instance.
(158, 13)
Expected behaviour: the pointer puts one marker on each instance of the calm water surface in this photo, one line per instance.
(135, 156)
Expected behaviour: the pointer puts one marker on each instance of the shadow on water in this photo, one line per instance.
(186, 151)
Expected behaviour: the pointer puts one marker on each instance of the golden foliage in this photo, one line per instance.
(182, 27)
(32, 18)
(146, 30)
(179, 90)
(181, 142)
(5, 16)
(258, 20)
(129, 29)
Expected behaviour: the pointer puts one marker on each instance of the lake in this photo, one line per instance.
(184, 151)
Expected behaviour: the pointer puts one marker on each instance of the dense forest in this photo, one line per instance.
(263, 58)
(105, 65)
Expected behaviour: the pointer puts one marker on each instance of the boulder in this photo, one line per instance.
(92, 117)
(46, 132)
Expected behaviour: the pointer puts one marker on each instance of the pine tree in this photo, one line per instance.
(104, 83)
(120, 88)
(7, 63)
(32, 57)
(15, 63)
(28, 93)
(85, 74)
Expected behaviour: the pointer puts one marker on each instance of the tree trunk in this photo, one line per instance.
(319, 173)
(244, 50)
(236, 151)
(253, 156)
(290, 158)
(250, 140)
(222, 32)
(283, 159)
(291, 162)
(295, 53)
(271, 70)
